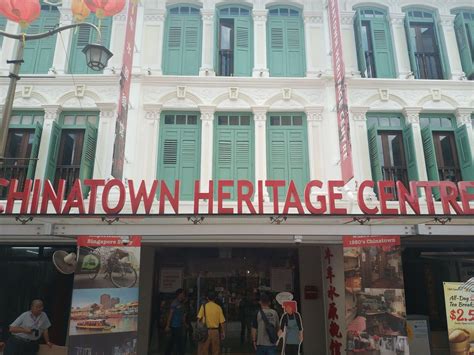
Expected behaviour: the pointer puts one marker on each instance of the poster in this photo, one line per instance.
(171, 279)
(375, 296)
(104, 309)
(460, 318)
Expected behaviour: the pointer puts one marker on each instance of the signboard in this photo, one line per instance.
(104, 307)
(345, 148)
(171, 279)
(37, 197)
(375, 295)
(419, 334)
(460, 317)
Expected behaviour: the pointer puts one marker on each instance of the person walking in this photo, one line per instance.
(26, 331)
(265, 328)
(175, 325)
(292, 326)
(211, 313)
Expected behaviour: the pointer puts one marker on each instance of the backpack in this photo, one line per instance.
(201, 334)
(269, 328)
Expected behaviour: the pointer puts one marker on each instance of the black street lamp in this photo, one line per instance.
(97, 57)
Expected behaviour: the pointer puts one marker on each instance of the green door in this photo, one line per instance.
(242, 47)
(374, 154)
(382, 45)
(88, 155)
(464, 31)
(34, 152)
(54, 141)
(430, 157)
(464, 150)
(411, 46)
(359, 45)
(410, 153)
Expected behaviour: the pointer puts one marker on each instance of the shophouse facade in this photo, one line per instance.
(245, 90)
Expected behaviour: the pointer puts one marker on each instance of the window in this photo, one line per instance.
(374, 44)
(83, 36)
(233, 149)
(464, 28)
(234, 56)
(38, 55)
(392, 149)
(179, 151)
(182, 50)
(285, 45)
(426, 45)
(72, 149)
(287, 149)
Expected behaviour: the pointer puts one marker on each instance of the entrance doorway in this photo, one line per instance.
(236, 275)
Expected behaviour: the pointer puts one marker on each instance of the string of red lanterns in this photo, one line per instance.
(21, 11)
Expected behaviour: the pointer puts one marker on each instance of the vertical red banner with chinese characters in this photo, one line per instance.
(347, 170)
(125, 82)
(375, 295)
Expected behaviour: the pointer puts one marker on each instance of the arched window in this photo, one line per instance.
(374, 44)
(464, 28)
(182, 52)
(285, 42)
(426, 45)
(234, 42)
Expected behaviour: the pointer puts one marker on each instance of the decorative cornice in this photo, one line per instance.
(51, 112)
(397, 19)
(359, 113)
(463, 115)
(412, 114)
(260, 113)
(207, 112)
(155, 16)
(152, 111)
(447, 20)
(313, 17)
(314, 113)
(260, 15)
(347, 17)
(207, 14)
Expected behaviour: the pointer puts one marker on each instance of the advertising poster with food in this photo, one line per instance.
(460, 317)
(375, 296)
(104, 309)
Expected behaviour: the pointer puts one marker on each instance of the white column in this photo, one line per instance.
(400, 46)
(412, 116)
(148, 140)
(260, 119)
(260, 68)
(51, 114)
(452, 49)
(314, 118)
(63, 43)
(117, 42)
(348, 43)
(153, 41)
(207, 129)
(360, 144)
(327, 48)
(207, 66)
(314, 36)
(8, 47)
(105, 140)
(463, 117)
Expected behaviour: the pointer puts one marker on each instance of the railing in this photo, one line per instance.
(14, 168)
(69, 173)
(226, 63)
(370, 64)
(395, 173)
(449, 173)
(428, 65)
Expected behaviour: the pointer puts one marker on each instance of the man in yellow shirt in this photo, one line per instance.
(215, 320)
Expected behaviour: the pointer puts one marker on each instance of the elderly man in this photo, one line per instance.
(26, 331)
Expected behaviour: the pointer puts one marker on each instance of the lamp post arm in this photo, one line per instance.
(31, 37)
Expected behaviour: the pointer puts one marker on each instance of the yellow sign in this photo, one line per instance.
(460, 317)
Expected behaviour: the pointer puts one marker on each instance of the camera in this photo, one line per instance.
(35, 332)
(298, 239)
(126, 240)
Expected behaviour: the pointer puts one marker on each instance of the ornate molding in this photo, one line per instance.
(313, 17)
(260, 15)
(207, 15)
(463, 116)
(314, 113)
(347, 18)
(260, 113)
(207, 112)
(51, 112)
(158, 16)
(152, 111)
(107, 110)
(447, 21)
(412, 114)
(397, 19)
(359, 113)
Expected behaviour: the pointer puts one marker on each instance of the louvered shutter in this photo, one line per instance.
(359, 46)
(34, 151)
(88, 155)
(442, 50)
(53, 152)
(192, 47)
(189, 161)
(278, 156)
(383, 56)
(462, 38)
(374, 155)
(297, 159)
(430, 157)
(243, 155)
(464, 150)
(277, 50)
(45, 50)
(3, 25)
(294, 48)
(410, 153)
(169, 157)
(242, 47)
(411, 48)
(174, 48)
(30, 49)
(224, 154)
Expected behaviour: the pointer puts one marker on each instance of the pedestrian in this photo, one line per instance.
(265, 328)
(175, 324)
(291, 325)
(211, 313)
(26, 331)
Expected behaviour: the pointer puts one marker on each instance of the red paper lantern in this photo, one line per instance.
(103, 8)
(23, 12)
(79, 10)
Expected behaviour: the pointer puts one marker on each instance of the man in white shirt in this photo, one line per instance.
(26, 331)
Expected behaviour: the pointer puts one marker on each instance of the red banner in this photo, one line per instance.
(355, 241)
(108, 241)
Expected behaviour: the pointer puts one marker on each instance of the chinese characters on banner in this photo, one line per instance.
(334, 314)
(460, 317)
(104, 309)
(375, 295)
(125, 82)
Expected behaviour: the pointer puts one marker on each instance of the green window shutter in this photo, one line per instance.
(88, 155)
(276, 47)
(410, 153)
(174, 46)
(34, 151)
(442, 50)
(278, 157)
(463, 44)
(430, 157)
(374, 155)
(192, 47)
(53, 152)
(3, 25)
(82, 37)
(225, 156)
(242, 47)
(295, 48)
(189, 155)
(169, 157)
(383, 56)
(464, 153)
(359, 47)
(297, 159)
(411, 47)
